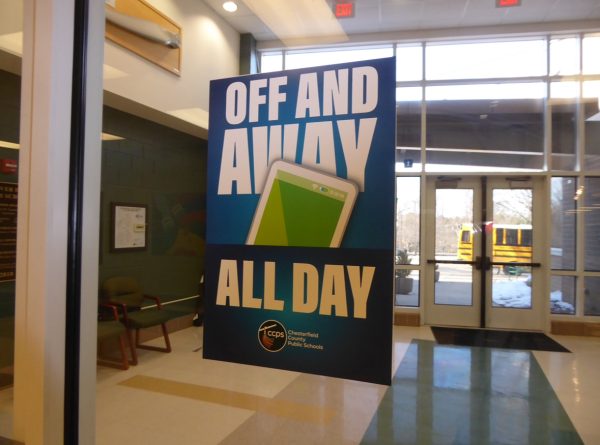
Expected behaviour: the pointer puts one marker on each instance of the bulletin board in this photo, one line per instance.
(129, 227)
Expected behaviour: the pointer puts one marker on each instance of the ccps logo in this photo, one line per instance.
(272, 336)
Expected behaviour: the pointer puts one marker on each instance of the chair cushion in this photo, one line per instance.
(148, 317)
(107, 329)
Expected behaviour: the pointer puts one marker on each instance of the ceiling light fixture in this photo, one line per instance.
(230, 6)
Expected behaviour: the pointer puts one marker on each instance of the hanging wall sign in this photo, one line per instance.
(300, 220)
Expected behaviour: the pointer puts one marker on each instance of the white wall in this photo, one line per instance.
(210, 50)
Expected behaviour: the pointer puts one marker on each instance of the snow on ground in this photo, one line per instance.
(515, 294)
(557, 306)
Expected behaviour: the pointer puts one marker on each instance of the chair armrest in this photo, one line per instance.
(155, 299)
(112, 308)
(116, 305)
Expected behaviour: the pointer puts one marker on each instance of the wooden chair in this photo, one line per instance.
(110, 326)
(127, 293)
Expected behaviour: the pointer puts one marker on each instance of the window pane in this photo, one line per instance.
(564, 56)
(408, 136)
(484, 135)
(409, 62)
(592, 296)
(564, 125)
(409, 94)
(591, 49)
(408, 214)
(564, 223)
(270, 62)
(305, 59)
(562, 295)
(500, 236)
(486, 60)
(531, 90)
(591, 89)
(564, 90)
(453, 285)
(465, 237)
(512, 237)
(408, 159)
(592, 131)
(512, 288)
(407, 287)
(591, 219)
(454, 218)
(526, 237)
(512, 212)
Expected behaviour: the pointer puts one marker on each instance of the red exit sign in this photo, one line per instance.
(507, 3)
(344, 10)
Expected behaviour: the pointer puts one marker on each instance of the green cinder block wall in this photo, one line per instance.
(164, 170)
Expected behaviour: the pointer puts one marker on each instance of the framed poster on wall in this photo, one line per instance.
(129, 227)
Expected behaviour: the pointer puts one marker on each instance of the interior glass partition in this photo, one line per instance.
(11, 43)
(564, 130)
(408, 134)
(465, 131)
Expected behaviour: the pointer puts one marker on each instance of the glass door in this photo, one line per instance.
(453, 285)
(482, 258)
(513, 248)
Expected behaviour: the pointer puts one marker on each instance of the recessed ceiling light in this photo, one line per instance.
(230, 6)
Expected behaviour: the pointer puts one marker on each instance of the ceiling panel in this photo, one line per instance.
(373, 16)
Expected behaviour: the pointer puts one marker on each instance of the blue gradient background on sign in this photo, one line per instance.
(355, 348)
(369, 227)
(359, 349)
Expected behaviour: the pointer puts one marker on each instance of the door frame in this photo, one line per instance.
(535, 319)
(442, 314)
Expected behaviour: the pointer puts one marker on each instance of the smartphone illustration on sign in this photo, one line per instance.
(302, 207)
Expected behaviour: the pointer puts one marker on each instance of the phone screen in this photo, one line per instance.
(300, 211)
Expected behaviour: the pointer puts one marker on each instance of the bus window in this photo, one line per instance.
(465, 236)
(512, 237)
(526, 237)
(499, 236)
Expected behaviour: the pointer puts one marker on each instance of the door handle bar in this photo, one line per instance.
(450, 262)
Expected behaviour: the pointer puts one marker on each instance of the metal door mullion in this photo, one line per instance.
(483, 253)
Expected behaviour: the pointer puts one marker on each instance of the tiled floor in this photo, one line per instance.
(440, 394)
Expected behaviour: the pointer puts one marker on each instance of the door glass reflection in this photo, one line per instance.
(512, 243)
(454, 285)
(455, 236)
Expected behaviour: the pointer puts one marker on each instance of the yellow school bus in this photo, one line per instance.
(511, 242)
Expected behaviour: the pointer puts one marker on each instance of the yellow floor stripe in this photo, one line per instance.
(275, 407)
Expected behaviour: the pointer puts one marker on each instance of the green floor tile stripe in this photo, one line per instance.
(469, 395)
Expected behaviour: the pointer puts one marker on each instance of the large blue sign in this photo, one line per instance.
(300, 229)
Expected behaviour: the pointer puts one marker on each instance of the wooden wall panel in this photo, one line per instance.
(160, 54)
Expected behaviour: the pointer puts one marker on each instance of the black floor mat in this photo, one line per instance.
(496, 339)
